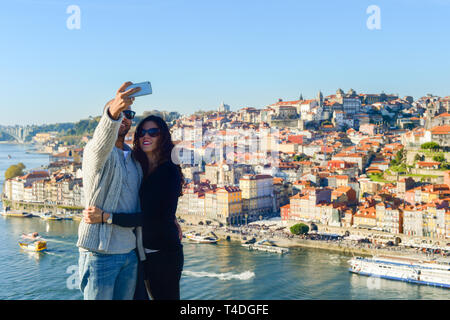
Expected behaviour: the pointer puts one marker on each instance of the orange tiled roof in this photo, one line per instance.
(444, 129)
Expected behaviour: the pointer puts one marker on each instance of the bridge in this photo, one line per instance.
(19, 133)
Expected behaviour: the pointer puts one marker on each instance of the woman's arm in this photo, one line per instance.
(128, 219)
(93, 215)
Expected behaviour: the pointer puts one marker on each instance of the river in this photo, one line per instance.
(212, 272)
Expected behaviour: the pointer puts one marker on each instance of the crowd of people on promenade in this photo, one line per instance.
(246, 232)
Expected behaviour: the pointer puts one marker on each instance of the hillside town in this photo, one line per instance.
(347, 160)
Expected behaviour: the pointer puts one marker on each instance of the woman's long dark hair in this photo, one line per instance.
(163, 149)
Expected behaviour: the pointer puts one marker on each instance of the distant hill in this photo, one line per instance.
(85, 126)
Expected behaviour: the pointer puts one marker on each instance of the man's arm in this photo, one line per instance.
(105, 135)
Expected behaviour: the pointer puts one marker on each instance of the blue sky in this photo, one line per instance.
(199, 53)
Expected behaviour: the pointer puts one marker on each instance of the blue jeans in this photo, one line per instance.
(107, 276)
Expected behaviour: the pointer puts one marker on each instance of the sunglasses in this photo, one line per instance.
(152, 132)
(129, 114)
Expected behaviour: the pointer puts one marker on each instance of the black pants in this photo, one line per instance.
(141, 292)
(163, 272)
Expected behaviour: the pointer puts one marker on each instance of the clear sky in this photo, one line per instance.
(199, 53)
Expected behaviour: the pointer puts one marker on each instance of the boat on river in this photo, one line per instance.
(198, 238)
(50, 217)
(16, 214)
(36, 246)
(431, 272)
(265, 245)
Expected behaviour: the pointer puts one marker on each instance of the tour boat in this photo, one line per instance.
(36, 246)
(407, 269)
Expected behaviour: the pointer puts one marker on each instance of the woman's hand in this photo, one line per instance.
(93, 215)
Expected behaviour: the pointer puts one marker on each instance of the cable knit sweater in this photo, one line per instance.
(102, 180)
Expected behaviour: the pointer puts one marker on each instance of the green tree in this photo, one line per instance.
(439, 158)
(300, 157)
(430, 145)
(299, 228)
(418, 157)
(445, 166)
(399, 157)
(14, 171)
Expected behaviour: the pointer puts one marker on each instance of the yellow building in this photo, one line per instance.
(257, 195)
(229, 205)
(429, 222)
(248, 187)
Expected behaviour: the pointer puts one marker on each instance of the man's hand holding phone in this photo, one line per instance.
(122, 100)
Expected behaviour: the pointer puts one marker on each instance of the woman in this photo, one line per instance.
(160, 189)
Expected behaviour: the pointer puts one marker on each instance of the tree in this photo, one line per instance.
(439, 158)
(399, 157)
(300, 157)
(299, 228)
(418, 157)
(14, 171)
(430, 145)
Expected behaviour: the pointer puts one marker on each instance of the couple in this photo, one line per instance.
(129, 239)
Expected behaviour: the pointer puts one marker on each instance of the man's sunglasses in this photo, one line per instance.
(129, 114)
(152, 132)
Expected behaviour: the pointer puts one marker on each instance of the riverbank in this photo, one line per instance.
(287, 240)
(39, 207)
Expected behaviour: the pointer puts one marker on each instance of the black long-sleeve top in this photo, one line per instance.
(159, 194)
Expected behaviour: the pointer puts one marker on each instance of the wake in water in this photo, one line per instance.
(60, 241)
(55, 254)
(246, 275)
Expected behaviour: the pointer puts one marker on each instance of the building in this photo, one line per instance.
(229, 205)
(441, 135)
(257, 195)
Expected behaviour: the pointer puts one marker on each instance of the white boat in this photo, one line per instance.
(261, 246)
(201, 239)
(407, 269)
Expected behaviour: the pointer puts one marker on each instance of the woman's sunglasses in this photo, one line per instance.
(152, 132)
(129, 114)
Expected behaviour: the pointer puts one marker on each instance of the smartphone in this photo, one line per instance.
(146, 88)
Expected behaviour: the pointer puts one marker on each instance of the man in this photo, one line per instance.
(108, 262)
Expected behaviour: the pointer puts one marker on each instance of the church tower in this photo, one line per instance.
(320, 98)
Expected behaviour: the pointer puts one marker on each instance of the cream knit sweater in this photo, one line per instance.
(102, 179)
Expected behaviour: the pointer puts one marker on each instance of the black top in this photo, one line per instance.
(159, 194)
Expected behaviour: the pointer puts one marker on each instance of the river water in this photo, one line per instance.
(211, 272)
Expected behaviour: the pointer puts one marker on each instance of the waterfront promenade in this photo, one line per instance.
(284, 238)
